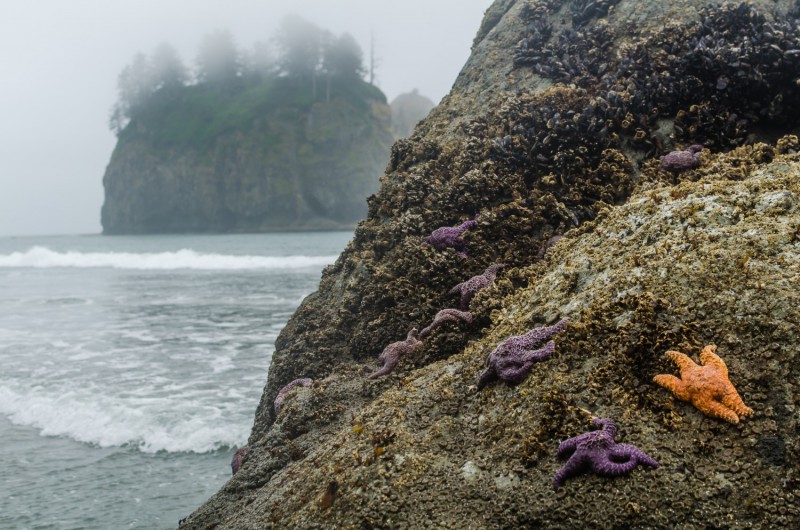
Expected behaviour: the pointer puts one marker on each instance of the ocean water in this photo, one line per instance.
(130, 368)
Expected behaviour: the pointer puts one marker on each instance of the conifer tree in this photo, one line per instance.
(344, 58)
(218, 60)
(168, 72)
(300, 45)
(134, 85)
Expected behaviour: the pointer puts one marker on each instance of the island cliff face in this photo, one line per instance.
(286, 166)
(555, 127)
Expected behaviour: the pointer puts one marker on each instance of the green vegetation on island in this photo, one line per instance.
(255, 142)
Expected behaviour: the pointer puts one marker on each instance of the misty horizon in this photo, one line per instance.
(59, 90)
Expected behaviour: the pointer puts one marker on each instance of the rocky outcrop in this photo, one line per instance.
(407, 110)
(286, 168)
(555, 127)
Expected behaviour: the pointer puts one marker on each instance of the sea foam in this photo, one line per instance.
(113, 422)
(43, 257)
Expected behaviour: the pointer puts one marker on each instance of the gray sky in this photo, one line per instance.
(60, 60)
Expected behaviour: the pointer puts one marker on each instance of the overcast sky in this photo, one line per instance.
(60, 60)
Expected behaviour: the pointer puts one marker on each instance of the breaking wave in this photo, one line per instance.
(111, 421)
(43, 257)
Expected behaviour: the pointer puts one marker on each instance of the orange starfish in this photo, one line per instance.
(706, 386)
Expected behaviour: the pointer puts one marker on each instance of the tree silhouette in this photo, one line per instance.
(167, 70)
(299, 43)
(344, 58)
(134, 85)
(218, 60)
(261, 62)
(304, 53)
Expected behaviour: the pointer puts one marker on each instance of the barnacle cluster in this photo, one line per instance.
(724, 79)
(547, 135)
(583, 11)
(576, 56)
(538, 31)
(488, 172)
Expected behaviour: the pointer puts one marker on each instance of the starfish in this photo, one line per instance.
(285, 390)
(513, 358)
(706, 386)
(390, 355)
(450, 237)
(470, 288)
(678, 161)
(596, 451)
(446, 315)
(238, 458)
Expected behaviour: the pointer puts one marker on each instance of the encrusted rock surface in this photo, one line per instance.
(650, 261)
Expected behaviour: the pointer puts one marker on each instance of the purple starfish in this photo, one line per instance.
(450, 237)
(513, 358)
(678, 161)
(390, 355)
(596, 451)
(470, 288)
(444, 316)
(285, 390)
(238, 458)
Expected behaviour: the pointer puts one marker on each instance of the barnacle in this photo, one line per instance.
(583, 11)
(719, 78)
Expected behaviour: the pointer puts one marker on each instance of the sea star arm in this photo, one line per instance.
(683, 361)
(466, 297)
(444, 316)
(536, 336)
(427, 330)
(623, 452)
(389, 362)
(715, 409)
(466, 225)
(733, 401)
(574, 466)
(645, 459)
(709, 357)
(238, 458)
(540, 354)
(606, 424)
(487, 376)
(514, 371)
(674, 385)
(463, 290)
(618, 460)
(456, 290)
(567, 447)
(282, 393)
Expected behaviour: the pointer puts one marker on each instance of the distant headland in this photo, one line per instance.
(287, 136)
